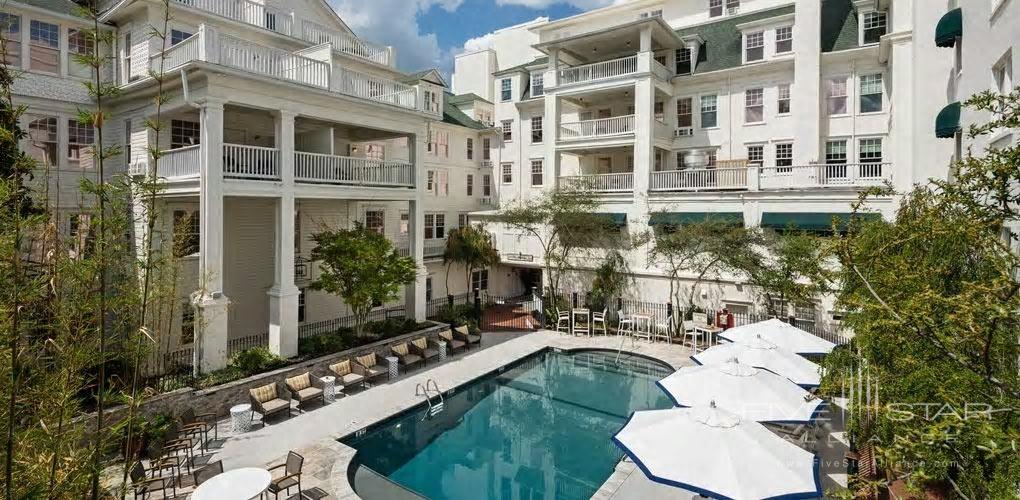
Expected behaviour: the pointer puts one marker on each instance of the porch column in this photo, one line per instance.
(209, 299)
(550, 120)
(283, 297)
(414, 294)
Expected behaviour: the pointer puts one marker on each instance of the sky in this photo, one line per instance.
(429, 33)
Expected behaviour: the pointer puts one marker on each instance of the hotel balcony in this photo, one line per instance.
(600, 183)
(839, 176)
(599, 128)
(433, 249)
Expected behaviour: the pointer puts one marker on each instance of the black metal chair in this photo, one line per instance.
(142, 486)
(291, 476)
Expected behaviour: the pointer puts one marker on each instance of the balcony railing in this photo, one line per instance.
(329, 169)
(600, 183)
(184, 52)
(430, 250)
(660, 71)
(365, 86)
(772, 177)
(699, 179)
(269, 61)
(245, 11)
(173, 163)
(346, 43)
(486, 164)
(598, 71)
(251, 162)
(602, 127)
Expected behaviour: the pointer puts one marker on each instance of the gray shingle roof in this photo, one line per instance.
(466, 98)
(839, 25)
(522, 67)
(59, 6)
(454, 116)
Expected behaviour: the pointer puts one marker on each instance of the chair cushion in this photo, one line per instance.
(299, 383)
(376, 370)
(342, 368)
(410, 359)
(308, 393)
(400, 349)
(431, 353)
(446, 335)
(474, 339)
(275, 405)
(263, 393)
(368, 360)
(421, 343)
(457, 344)
(463, 330)
(352, 378)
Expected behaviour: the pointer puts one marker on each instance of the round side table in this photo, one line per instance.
(328, 389)
(240, 418)
(442, 350)
(394, 366)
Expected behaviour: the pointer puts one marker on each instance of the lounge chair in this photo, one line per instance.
(463, 333)
(305, 387)
(371, 367)
(404, 355)
(454, 344)
(420, 346)
(143, 486)
(348, 373)
(208, 472)
(291, 476)
(269, 399)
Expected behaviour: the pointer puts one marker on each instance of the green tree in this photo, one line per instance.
(361, 267)
(471, 247)
(611, 279)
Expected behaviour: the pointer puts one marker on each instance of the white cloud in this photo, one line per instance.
(580, 4)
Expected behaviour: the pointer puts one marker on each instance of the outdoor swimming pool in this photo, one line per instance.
(538, 429)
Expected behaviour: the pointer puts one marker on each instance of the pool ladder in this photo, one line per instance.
(426, 391)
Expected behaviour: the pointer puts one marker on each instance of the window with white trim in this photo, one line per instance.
(683, 61)
(470, 148)
(506, 89)
(486, 185)
(375, 152)
(480, 280)
(302, 306)
(470, 184)
(78, 44)
(660, 111)
(754, 105)
(715, 7)
(44, 46)
(462, 219)
(536, 129)
(709, 108)
(184, 133)
(784, 157)
(537, 84)
(835, 95)
(756, 154)
(80, 137)
(431, 101)
(870, 150)
(873, 26)
(508, 172)
(442, 183)
(405, 222)
(508, 130)
(536, 173)
(486, 149)
(684, 112)
(430, 181)
(784, 39)
(187, 232)
(10, 29)
(783, 99)
(178, 36)
(754, 46)
(375, 220)
(835, 152)
(435, 226)
(871, 93)
(42, 140)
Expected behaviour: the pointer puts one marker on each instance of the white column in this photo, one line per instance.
(551, 122)
(283, 297)
(212, 319)
(414, 294)
(644, 128)
(806, 92)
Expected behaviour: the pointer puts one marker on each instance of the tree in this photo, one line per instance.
(611, 279)
(933, 299)
(362, 267)
(471, 247)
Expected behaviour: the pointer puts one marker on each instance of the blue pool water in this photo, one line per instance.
(540, 429)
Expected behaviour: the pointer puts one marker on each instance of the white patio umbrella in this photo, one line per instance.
(760, 353)
(713, 452)
(784, 335)
(750, 393)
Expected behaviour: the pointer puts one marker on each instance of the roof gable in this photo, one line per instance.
(429, 75)
(839, 26)
(723, 41)
(454, 116)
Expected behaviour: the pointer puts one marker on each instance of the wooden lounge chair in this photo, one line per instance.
(404, 355)
(305, 387)
(269, 399)
(348, 373)
(143, 486)
(371, 367)
(198, 425)
(291, 476)
(464, 334)
(420, 346)
(453, 343)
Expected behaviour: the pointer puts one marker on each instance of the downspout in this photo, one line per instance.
(185, 88)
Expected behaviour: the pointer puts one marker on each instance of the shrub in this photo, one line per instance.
(256, 360)
(457, 315)
(320, 345)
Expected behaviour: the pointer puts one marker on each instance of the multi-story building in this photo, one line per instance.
(769, 112)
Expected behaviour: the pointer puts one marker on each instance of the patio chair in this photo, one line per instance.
(624, 323)
(208, 472)
(464, 334)
(305, 387)
(404, 355)
(662, 330)
(598, 319)
(174, 444)
(201, 425)
(269, 399)
(142, 486)
(420, 346)
(693, 329)
(348, 373)
(562, 321)
(372, 368)
(168, 456)
(291, 476)
(454, 344)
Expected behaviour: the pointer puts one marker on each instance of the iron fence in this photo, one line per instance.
(308, 330)
(239, 344)
(435, 307)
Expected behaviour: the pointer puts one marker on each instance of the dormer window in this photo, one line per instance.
(715, 7)
(784, 39)
(537, 84)
(683, 61)
(873, 26)
(506, 90)
(754, 46)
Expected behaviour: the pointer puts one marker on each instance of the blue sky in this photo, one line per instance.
(428, 33)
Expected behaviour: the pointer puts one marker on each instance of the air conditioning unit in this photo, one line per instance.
(732, 10)
(684, 132)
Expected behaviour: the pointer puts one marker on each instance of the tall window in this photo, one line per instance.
(537, 84)
(683, 61)
(480, 280)
(835, 159)
(375, 220)
(430, 181)
(715, 7)
(44, 46)
(756, 154)
(784, 158)
(42, 140)
(442, 183)
(536, 129)
(187, 323)
(80, 137)
(508, 130)
(78, 44)
(428, 288)
(871, 150)
(375, 152)
(187, 233)
(462, 219)
(10, 29)
(709, 117)
(435, 226)
(784, 39)
(470, 185)
(536, 172)
(486, 147)
(783, 98)
(684, 113)
(301, 306)
(470, 148)
(872, 27)
(660, 111)
(405, 222)
(486, 185)
(754, 46)
(184, 133)
(178, 36)
(754, 105)
(431, 101)
(836, 95)
(871, 93)
(508, 172)
(506, 89)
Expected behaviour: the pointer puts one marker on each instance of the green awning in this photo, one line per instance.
(949, 28)
(681, 218)
(947, 123)
(811, 221)
(615, 219)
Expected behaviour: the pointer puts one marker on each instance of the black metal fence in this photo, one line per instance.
(331, 325)
(436, 307)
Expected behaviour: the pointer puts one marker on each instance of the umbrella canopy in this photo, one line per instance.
(710, 451)
(784, 335)
(760, 353)
(750, 393)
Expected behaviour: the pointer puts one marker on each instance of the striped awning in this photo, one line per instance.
(681, 218)
(812, 221)
(947, 123)
(949, 28)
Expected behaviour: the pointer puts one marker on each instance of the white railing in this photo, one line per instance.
(430, 248)
(598, 71)
(250, 162)
(365, 86)
(173, 163)
(269, 61)
(487, 201)
(838, 175)
(600, 183)
(699, 179)
(660, 71)
(184, 52)
(330, 169)
(486, 164)
(601, 127)
(245, 11)
(346, 43)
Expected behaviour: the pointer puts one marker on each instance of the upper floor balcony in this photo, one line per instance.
(754, 178)
(600, 183)
(598, 128)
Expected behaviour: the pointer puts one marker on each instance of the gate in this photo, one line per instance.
(514, 313)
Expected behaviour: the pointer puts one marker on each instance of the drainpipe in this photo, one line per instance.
(185, 88)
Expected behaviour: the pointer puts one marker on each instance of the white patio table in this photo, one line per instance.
(237, 484)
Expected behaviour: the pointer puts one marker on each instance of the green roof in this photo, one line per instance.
(466, 98)
(812, 221)
(59, 6)
(947, 123)
(839, 26)
(454, 116)
(949, 28)
(522, 67)
(413, 78)
(681, 218)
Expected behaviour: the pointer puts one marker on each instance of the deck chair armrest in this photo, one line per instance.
(277, 466)
(316, 382)
(283, 392)
(207, 416)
